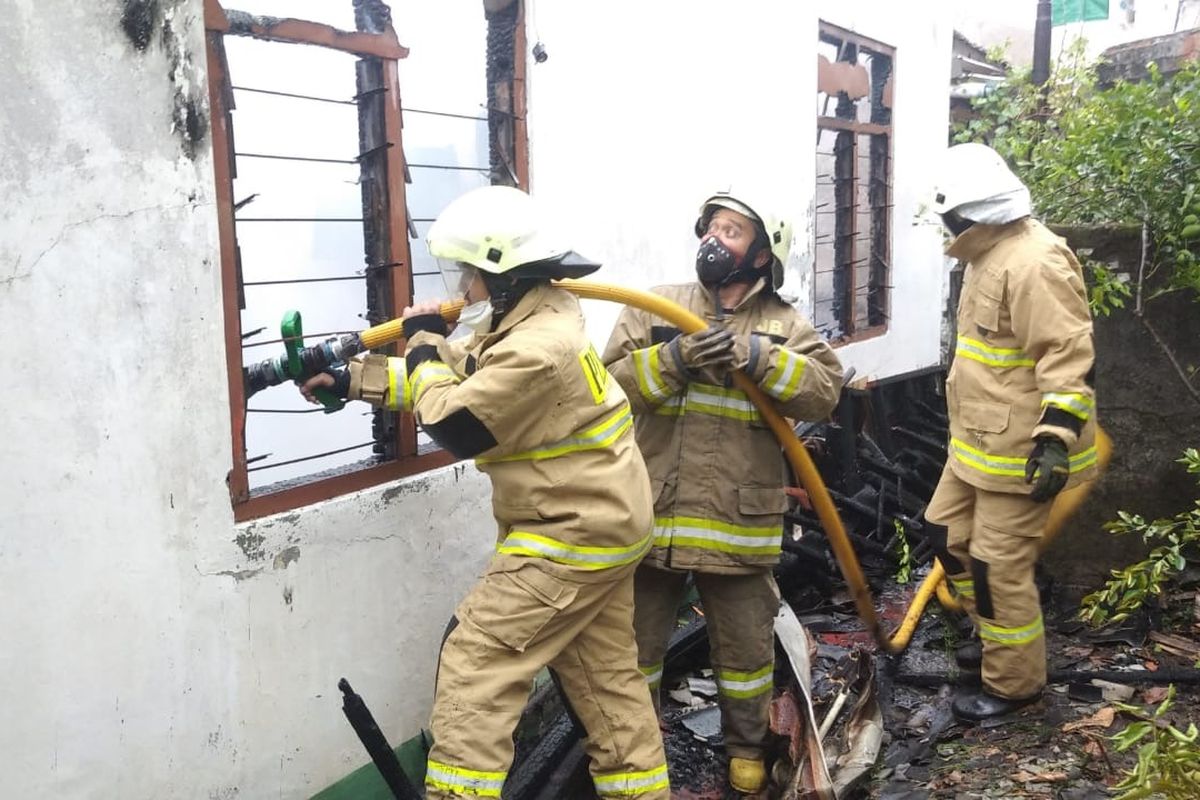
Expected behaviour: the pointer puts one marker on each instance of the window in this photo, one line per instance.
(326, 186)
(854, 185)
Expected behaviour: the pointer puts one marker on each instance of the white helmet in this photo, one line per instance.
(777, 230)
(976, 184)
(500, 230)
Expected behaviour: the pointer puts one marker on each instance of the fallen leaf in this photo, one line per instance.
(1154, 695)
(1101, 719)
(1151, 665)
(1078, 652)
(1093, 749)
(1050, 777)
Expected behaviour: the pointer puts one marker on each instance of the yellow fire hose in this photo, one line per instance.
(1065, 505)
(797, 456)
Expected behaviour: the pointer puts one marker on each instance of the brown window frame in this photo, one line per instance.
(846, 180)
(380, 52)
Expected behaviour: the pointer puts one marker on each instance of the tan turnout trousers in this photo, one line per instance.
(740, 613)
(529, 613)
(993, 542)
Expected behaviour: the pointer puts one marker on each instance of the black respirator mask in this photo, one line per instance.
(717, 266)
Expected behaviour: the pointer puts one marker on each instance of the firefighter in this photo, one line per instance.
(527, 397)
(1022, 418)
(716, 470)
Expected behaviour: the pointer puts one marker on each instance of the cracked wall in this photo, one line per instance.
(176, 654)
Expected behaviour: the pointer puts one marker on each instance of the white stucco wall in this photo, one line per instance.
(923, 38)
(633, 125)
(153, 648)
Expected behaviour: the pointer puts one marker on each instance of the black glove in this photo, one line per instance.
(424, 322)
(1048, 468)
(341, 382)
(709, 350)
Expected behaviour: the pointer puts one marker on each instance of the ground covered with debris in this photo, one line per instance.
(1062, 747)
(848, 722)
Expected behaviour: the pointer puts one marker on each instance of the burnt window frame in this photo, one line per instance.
(387, 226)
(839, 225)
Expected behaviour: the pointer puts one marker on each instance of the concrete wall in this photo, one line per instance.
(1145, 408)
(632, 126)
(152, 648)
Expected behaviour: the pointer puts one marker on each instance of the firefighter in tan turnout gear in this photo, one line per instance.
(527, 397)
(1022, 418)
(716, 470)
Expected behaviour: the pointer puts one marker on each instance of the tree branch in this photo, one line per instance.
(1137, 309)
(1171, 357)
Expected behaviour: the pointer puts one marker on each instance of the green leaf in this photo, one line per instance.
(1132, 734)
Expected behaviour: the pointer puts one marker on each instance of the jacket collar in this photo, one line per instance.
(979, 238)
(539, 295)
(710, 297)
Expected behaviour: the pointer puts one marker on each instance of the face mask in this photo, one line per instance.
(714, 262)
(477, 316)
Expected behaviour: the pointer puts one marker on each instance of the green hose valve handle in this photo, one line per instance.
(291, 330)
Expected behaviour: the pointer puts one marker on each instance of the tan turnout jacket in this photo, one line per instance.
(1023, 362)
(532, 403)
(716, 470)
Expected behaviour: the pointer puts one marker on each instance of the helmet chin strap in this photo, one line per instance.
(956, 223)
(505, 293)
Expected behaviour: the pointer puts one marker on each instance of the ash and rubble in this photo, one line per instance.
(882, 725)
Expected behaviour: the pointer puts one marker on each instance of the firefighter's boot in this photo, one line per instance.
(969, 656)
(747, 775)
(980, 704)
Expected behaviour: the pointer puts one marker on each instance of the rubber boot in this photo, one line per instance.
(979, 704)
(747, 775)
(969, 656)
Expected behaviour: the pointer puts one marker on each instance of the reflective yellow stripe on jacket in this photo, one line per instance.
(715, 401)
(399, 395)
(1009, 466)
(628, 784)
(425, 375)
(648, 368)
(964, 587)
(1072, 402)
(523, 543)
(1001, 357)
(463, 781)
(595, 437)
(710, 534)
(783, 379)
